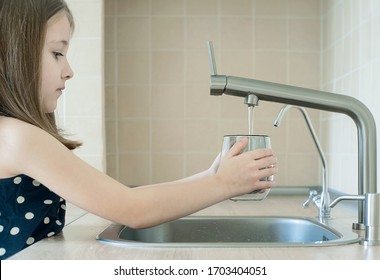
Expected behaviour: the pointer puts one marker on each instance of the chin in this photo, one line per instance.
(50, 109)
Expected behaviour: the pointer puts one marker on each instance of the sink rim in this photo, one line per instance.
(110, 235)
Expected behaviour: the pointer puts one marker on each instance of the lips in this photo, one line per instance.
(61, 89)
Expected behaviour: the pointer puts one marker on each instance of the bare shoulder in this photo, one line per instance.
(11, 127)
(18, 141)
(17, 134)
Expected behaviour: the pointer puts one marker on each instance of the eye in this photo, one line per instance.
(57, 54)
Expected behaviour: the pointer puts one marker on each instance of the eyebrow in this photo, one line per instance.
(64, 42)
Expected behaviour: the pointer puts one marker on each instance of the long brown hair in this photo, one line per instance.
(23, 25)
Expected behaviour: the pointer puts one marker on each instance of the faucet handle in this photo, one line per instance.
(211, 58)
(218, 82)
(313, 196)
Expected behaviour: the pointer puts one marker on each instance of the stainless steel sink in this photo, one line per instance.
(231, 231)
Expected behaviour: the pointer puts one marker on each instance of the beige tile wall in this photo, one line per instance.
(351, 65)
(81, 109)
(162, 123)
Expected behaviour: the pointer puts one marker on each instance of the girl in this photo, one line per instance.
(38, 172)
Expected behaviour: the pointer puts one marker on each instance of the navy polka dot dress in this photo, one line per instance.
(29, 212)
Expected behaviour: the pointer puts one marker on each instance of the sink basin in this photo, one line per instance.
(231, 231)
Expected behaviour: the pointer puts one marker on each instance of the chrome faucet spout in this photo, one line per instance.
(322, 201)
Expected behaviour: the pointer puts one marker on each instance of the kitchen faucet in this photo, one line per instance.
(322, 201)
(286, 94)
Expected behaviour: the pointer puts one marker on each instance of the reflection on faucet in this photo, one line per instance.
(322, 201)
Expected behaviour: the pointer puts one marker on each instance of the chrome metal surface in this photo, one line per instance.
(231, 231)
(372, 219)
(346, 197)
(251, 100)
(322, 200)
(211, 55)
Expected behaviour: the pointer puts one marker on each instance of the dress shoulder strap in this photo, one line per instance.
(3, 114)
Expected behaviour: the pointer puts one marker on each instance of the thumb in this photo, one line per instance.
(237, 148)
(215, 165)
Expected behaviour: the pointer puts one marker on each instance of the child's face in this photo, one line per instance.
(55, 67)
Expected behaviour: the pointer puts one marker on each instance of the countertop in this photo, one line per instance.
(78, 239)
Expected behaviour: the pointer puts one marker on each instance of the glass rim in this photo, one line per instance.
(246, 135)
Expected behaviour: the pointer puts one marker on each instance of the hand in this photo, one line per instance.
(241, 173)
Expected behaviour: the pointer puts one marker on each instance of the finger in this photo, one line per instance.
(267, 162)
(237, 148)
(267, 172)
(264, 185)
(215, 165)
(261, 153)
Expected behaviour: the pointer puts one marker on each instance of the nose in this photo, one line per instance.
(67, 72)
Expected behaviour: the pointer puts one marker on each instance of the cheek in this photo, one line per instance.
(47, 73)
(44, 84)
(44, 70)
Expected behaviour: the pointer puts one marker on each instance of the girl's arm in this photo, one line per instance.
(29, 150)
(203, 174)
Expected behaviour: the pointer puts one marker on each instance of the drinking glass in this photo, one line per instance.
(254, 142)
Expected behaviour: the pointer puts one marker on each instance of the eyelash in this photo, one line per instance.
(56, 54)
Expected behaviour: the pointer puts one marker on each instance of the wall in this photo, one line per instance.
(161, 121)
(157, 78)
(351, 65)
(81, 108)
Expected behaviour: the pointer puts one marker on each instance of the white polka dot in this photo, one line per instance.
(36, 183)
(15, 230)
(58, 222)
(1, 228)
(17, 180)
(30, 241)
(63, 206)
(20, 199)
(29, 216)
(46, 220)
(2, 251)
(48, 201)
(50, 234)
